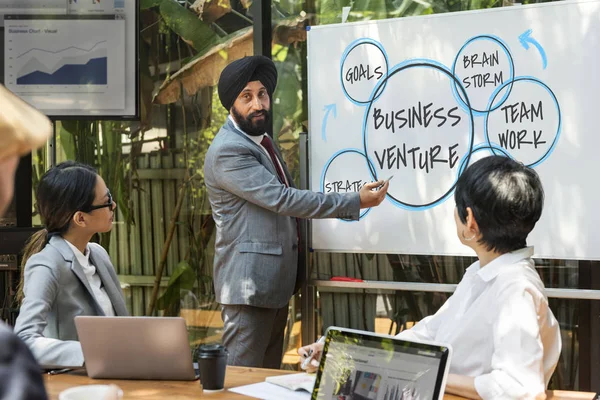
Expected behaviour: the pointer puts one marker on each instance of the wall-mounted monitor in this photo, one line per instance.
(73, 58)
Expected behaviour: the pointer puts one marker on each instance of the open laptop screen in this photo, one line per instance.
(361, 365)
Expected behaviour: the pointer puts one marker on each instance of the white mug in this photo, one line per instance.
(92, 392)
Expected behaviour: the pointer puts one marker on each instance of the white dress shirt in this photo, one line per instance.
(93, 279)
(258, 140)
(500, 328)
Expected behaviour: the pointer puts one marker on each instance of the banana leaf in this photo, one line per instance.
(205, 68)
(146, 4)
(188, 26)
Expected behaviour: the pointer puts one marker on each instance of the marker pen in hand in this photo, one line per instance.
(384, 182)
(311, 354)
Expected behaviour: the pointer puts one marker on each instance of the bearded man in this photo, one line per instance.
(255, 207)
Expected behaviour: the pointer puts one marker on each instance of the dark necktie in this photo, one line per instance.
(268, 145)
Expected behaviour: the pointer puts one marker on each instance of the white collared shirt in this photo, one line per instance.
(93, 279)
(500, 328)
(258, 140)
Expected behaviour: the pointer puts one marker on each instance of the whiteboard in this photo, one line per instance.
(421, 98)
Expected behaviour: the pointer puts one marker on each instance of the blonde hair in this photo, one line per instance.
(22, 127)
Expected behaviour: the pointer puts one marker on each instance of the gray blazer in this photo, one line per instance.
(256, 247)
(56, 291)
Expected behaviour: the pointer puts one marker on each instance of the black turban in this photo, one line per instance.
(236, 76)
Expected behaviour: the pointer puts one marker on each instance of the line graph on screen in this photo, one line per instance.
(72, 65)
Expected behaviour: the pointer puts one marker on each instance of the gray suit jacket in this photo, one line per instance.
(56, 291)
(256, 248)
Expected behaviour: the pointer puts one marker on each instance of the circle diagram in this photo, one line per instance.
(421, 138)
(482, 66)
(346, 171)
(528, 125)
(422, 119)
(363, 65)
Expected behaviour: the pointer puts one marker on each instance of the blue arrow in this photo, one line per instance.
(328, 108)
(525, 39)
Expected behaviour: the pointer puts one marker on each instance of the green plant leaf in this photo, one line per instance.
(368, 10)
(183, 278)
(146, 4)
(187, 25)
(66, 138)
(286, 95)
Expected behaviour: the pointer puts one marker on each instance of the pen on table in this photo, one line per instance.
(59, 371)
(311, 354)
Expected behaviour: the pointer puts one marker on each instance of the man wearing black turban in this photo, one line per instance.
(255, 206)
(236, 76)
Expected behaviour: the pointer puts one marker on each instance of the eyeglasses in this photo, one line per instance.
(109, 204)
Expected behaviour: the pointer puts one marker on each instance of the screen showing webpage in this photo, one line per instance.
(382, 369)
(72, 57)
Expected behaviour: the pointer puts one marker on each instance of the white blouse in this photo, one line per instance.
(93, 279)
(500, 328)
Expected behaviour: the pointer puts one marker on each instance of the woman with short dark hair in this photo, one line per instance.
(505, 340)
(503, 199)
(64, 275)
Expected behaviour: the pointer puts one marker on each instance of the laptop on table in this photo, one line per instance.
(135, 347)
(358, 365)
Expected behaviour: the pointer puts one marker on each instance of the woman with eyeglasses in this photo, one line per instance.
(63, 274)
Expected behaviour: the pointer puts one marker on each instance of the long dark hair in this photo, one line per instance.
(63, 190)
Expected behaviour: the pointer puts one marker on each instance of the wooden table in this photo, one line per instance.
(161, 390)
(235, 376)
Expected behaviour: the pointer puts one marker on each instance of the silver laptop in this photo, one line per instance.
(362, 365)
(135, 347)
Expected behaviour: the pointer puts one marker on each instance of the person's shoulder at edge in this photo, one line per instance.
(520, 276)
(48, 256)
(227, 137)
(228, 143)
(20, 376)
(470, 271)
(520, 269)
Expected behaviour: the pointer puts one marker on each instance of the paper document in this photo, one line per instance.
(268, 391)
(302, 381)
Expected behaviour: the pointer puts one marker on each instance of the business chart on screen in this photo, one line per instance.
(72, 58)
